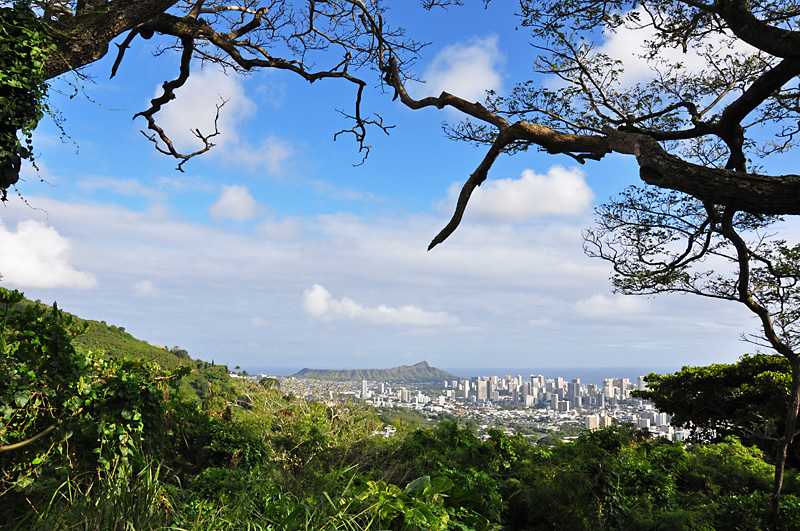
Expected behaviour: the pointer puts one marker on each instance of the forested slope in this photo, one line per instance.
(113, 341)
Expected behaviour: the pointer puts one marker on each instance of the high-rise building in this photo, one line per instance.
(404, 395)
(483, 389)
(575, 393)
(530, 400)
(525, 390)
(608, 388)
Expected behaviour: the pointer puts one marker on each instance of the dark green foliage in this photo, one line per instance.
(24, 46)
(403, 418)
(110, 341)
(747, 399)
(475, 466)
(179, 353)
(65, 415)
(617, 478)
(42, 384)
(198, 439)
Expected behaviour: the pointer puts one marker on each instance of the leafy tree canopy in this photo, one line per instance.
(747, 399)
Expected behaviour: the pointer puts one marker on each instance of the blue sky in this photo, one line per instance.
(274, 250)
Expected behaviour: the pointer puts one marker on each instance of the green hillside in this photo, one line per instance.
(420, 372)
(113, 341)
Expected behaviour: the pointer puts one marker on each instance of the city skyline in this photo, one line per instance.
(511, 403)
(585, 374)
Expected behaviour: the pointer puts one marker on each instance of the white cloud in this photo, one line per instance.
(343, 193)
(37, 256)
(466, 70)
(270, 155)
(616, 307)
(258, 322)
(195, 108)
(319, 303)
(285, 230)
(545, 322)
(514, 289)
(123, 187)
(563, 191)
(628, 45)
(235, 202)
(145, 288)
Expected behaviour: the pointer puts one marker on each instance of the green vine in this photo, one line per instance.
(24, 45)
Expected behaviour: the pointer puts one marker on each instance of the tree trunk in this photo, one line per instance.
(788, 437)
(83, 38)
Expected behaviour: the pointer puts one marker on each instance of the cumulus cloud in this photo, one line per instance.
(37, 256)
(628, 45)
(611, 307)
(563, 191)
(145, 288)
(319, 303)
(235, 202)
(195, 107)
(467, 69)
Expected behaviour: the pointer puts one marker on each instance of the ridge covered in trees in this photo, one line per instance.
(110, 341)
(417, 373)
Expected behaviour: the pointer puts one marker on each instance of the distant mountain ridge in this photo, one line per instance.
(420, 372)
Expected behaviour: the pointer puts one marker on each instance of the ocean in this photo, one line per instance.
(587, 375)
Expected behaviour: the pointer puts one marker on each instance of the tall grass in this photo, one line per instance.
(118, 503)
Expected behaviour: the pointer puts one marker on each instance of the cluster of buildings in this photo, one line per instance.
(534, 406)
(537, 402)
